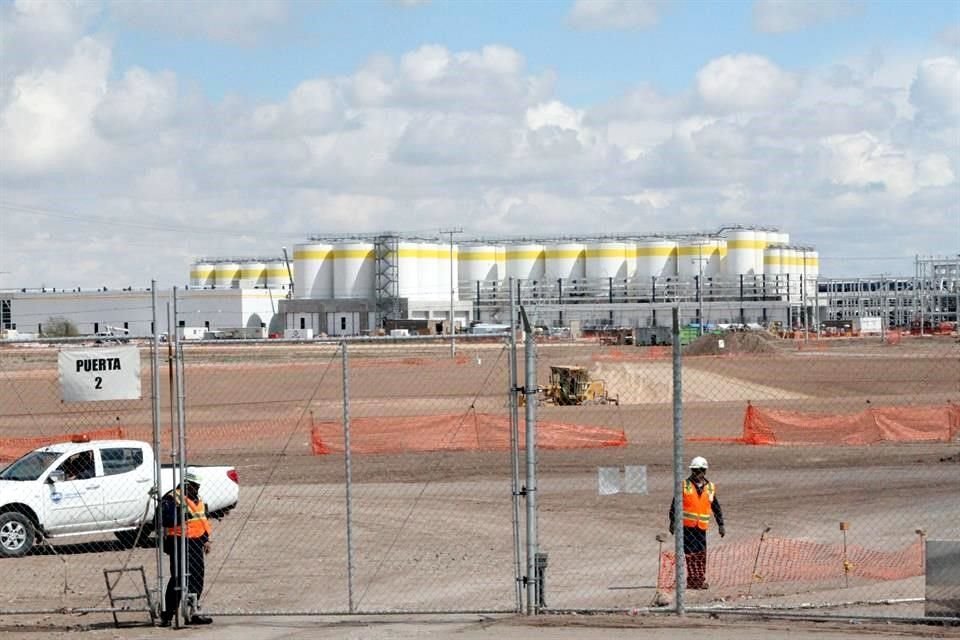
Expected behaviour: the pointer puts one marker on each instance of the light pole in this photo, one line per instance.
(452, 327)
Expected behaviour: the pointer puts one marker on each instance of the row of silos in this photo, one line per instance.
(348, 270)
(423, 270)
(236, 274)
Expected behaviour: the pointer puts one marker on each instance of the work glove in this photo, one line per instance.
(723, 531)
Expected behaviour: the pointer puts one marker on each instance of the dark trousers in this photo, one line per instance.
(695, 553)
(195, 567)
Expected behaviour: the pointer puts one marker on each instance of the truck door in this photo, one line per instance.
(76, 504)
(126, 483)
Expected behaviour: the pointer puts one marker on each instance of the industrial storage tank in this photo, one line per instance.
(656, 259)
(698, 256)
(447, 265)
(253, 275)
(277, 276)
(606, 260)
(313, 271)
(565, 261)
(407, 260)
(202, 275)
(226, 275)
(813, 264)
(761, 240)
(480, 262)
(354, 269)
(742, 253)
(790, 280)
(526, 261)
(772, 262)
(630, 255)
(430, 286)
(778, 237)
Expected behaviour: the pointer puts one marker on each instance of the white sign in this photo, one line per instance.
(108, 373)
(870, 325)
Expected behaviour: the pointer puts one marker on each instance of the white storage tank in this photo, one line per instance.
(630, 255)
(480, 262)
(700, 255)
(276, 274)
(791, 272)
(202, 275)
(778, 237)
(565, 261)
(742, 253)
(253, 275)
(606, 260)
(430, 286)
(813, 263)
(354, 269)
(447, 260)
(526, 261)
(761, 240)
(408, 269)
(227, 275)
(772, 262)
(656, 258)
(313, 271)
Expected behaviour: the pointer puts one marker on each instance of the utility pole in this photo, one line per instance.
(453, 285)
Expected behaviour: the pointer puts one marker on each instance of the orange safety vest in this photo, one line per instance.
(697, 507)
(197, 523)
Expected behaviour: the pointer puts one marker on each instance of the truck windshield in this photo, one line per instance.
(30, 466)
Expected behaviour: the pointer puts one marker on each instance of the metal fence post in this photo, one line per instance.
(515, 451)
(679, 557)
(530, 393)
(348, 471)
(182, 451)
(155, 417)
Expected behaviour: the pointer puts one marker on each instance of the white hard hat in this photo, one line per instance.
(699, 463)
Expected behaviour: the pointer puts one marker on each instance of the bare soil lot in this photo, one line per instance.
(434, 530)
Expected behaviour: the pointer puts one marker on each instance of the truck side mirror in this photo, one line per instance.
(55, 476)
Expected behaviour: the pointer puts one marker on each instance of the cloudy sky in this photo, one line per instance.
(137, 136)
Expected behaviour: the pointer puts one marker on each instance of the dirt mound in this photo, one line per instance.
(733, 342)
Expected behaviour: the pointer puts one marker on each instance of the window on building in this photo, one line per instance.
(303, 323)
(343, 323)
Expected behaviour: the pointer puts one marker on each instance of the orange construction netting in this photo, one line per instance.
(13, 448)
(469, 432)
(937, 423)
(779, 560)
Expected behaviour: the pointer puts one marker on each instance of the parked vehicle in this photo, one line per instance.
(90, 487)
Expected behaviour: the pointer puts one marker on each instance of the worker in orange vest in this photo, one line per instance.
(699, 502)
(197, 545)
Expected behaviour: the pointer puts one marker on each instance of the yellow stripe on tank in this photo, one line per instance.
(313, 254)
(524, 255)
(747, 244)
(563, 253)
(478, 255)
(361, 254)
(647, 252)
(606, 253)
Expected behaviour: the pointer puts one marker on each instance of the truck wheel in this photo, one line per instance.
(16, 534)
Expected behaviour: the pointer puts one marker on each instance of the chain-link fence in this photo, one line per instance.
(378, 475)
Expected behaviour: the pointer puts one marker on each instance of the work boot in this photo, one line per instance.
(164, 622)
(199, 619)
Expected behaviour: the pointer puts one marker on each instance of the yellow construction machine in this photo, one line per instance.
(571, 385)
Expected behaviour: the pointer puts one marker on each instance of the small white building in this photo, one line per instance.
(93, 312)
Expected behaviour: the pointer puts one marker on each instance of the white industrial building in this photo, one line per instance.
(354, 284)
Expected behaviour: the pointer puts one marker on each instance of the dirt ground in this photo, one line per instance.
(433, 531)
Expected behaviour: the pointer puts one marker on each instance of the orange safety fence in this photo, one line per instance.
(789, 560)
(449, 432)
(13, 448)
(936, 423)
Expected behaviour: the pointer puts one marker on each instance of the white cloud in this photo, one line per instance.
(781, 16)
(243, 22)
(936, 90)
(744, 83)
(616, 14)
(140, 103)
(47, 124)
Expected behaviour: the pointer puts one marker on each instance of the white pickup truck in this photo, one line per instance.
(98, 486)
